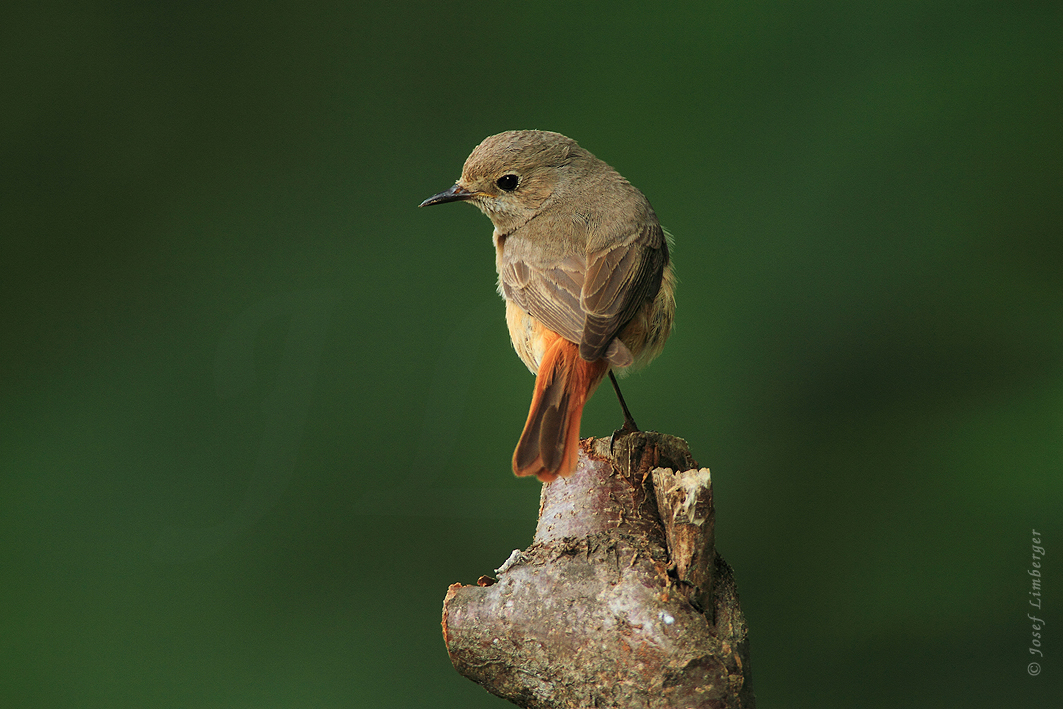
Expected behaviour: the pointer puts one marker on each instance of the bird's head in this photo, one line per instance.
(512, 176)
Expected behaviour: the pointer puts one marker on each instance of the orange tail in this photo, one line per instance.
(549, 445)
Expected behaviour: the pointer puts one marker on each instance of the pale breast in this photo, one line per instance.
(523, 332)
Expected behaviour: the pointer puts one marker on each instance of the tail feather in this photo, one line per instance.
(549, 445)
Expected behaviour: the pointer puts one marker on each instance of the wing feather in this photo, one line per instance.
(588, 300)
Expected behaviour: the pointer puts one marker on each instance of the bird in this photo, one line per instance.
(585, 271)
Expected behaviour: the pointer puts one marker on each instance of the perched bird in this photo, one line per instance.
(584, 269)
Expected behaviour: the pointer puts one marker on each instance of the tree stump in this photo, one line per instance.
(620, 601)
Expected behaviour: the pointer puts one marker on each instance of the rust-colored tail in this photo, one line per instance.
(549, 445)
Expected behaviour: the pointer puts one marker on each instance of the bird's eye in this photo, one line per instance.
(507, 182)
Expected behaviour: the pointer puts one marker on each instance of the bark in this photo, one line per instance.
(610, 606)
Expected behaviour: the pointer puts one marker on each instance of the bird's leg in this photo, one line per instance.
(629, 423)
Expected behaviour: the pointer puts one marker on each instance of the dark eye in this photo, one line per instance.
(507, 182)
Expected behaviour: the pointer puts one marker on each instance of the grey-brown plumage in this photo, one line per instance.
(580, 255)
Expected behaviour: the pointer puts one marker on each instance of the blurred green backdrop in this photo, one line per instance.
(257, 409)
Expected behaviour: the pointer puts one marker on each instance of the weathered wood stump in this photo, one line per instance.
(611, 606)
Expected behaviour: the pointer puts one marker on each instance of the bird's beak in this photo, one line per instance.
(456, 193)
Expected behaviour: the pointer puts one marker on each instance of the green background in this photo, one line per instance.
(257, 409)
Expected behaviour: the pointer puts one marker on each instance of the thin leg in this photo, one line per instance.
(629, 422)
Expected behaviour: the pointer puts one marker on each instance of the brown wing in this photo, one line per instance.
(589, 301)
(550, 295)
(620, 279)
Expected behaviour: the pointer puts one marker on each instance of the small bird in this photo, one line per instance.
(584, 269)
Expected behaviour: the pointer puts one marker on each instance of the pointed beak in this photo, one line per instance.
(456, 193)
